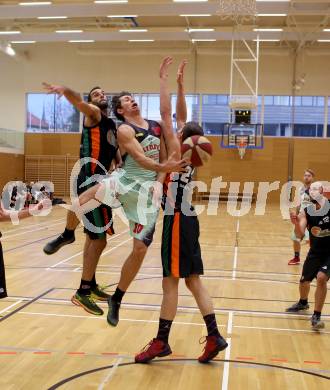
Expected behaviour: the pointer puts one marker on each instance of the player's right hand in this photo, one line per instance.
(294, 218)
(180, 73)
(173, 165)
(58, 89)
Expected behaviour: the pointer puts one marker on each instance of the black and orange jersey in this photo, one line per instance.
(98, 142)
(177, 192)
(318, 225)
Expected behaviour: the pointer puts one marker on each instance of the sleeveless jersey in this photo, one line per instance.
(176, 191)
(98, 142)
(133, 195)
(150, 142)
(318, 224)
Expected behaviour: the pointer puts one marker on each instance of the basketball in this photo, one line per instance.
(197, 149)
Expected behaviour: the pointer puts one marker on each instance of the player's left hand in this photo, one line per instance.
(164, 66)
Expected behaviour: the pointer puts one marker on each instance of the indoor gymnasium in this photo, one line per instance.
(165, 194)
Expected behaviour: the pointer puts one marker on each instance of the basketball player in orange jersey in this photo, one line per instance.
(98, 142)
(181, 253)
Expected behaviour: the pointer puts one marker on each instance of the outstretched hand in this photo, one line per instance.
(174, 165)
(58, 89)
(164, 66)
(180, 73)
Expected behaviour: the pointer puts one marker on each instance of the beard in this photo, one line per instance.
(102, 105)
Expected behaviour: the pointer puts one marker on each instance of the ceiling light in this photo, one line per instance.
(29, 3)
(81, 41)
(141, 40)
(199, 29)
(194, 15)
(22, 42)
(326, 29)
(134, 30)
(68, 31)
(190, 1)
(122, 16)
(9, 50)
(51, 17)
(266, 40)
(110, 1)
(323, 40)
(272, 15)
(203, 40)
(9, 32)
(268, 29)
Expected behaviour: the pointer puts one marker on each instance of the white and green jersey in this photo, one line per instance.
(135, 181)
(150, 142)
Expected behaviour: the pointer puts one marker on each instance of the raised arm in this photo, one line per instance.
(172, 142)
(89, 110)
(129, 144)
(181, 106)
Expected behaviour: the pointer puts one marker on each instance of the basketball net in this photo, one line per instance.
(238, 10)
(241, 147)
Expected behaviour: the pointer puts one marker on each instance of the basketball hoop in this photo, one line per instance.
(241, 147)
(238, 10)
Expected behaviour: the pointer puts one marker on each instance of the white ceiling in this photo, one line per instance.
(305, 21)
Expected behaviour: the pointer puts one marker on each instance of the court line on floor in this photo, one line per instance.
(79, 253)
(225, 374)
(31, 231)
(10, 350)
(110, 374)
(31, 225)
(94, 370)
(215, 277)
(10, 306)
(25, 305)
(43, 314)
(274, 315)
(29, 243)
(104, 253)
(102, 318)
(205, 269)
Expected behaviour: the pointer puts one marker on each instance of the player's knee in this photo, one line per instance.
(322, 279)
(192, 282)
(139, 250)
(170, 286)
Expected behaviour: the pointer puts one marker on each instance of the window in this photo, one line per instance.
(309, 117)
(215, 113)
(277, 116)
(192, 102)
(48, 114)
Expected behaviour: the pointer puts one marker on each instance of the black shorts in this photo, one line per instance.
(3, 290)
(97, 219)
(181, 252)
(315, 263)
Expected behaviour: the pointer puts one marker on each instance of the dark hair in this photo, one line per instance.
(116, 104)
(310, 171)
(190, 129)
(89, 97)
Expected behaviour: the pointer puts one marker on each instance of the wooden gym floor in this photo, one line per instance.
(45, 340)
